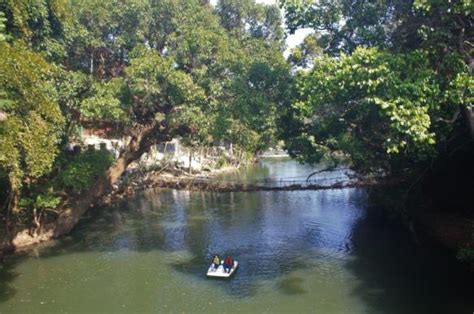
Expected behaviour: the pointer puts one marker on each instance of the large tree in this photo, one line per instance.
(388, 108)
(32, 123)
(156, 68)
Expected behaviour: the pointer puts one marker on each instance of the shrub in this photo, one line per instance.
(80, 171)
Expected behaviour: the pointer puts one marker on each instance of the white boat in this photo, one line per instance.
(219, 272)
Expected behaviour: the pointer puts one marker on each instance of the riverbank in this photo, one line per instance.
(136, 180)
(151, 179)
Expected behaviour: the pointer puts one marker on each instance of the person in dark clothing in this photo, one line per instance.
(228, 264)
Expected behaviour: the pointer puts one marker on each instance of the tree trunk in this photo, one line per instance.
(79, 206)
(11, 208)
(190, 169)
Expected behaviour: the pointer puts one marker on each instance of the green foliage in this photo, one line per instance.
(71, 89)
(41, 201)
(43, 25)
(243, 17)
(466, 254)
(29, 135)
(221, 162)
(464, 7)
(211, 73)
(156, 86)
(105, 32)
(304, 54)
(387, 108)
(345, 24)
(156, 68)
(372, 105)
(3, 37)
(259, 91)
(79, 172)
(104, 103)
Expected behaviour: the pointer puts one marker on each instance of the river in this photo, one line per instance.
(299, 252)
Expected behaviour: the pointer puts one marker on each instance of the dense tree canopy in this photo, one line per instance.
(388, 84)
(304, 54)
(344, 25)
(33, 124)
(156, 68)
(371, 105)
(396, 91)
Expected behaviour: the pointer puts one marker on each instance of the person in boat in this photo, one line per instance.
(216, 261)
(228, 264)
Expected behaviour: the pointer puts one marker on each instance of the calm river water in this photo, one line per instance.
(300, 252)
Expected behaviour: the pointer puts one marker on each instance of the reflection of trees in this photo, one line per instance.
(267, 232)
(7, 275)
(272, 235)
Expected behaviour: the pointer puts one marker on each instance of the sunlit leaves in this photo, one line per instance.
(30, 134)
(104, 103)
(41, 201)
(44, 25)
(79, 172)
(3, 37)
(343, 25)
(156, 85)
(366, 105)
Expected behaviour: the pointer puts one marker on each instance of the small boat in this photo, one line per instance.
(219, 272)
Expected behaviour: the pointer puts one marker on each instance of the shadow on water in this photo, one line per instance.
(7, 275)
(202, 224)
(245, 282)
(292, 285)
(276, 237)
(395, 275)
(238, 231)
(103, 231)
(169, 222)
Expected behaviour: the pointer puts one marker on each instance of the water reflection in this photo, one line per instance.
(269, 233)
(299, 251)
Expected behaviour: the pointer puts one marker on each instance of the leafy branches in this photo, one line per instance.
(30, 134)
(391, 86)
(372, 105)
(79, 172)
